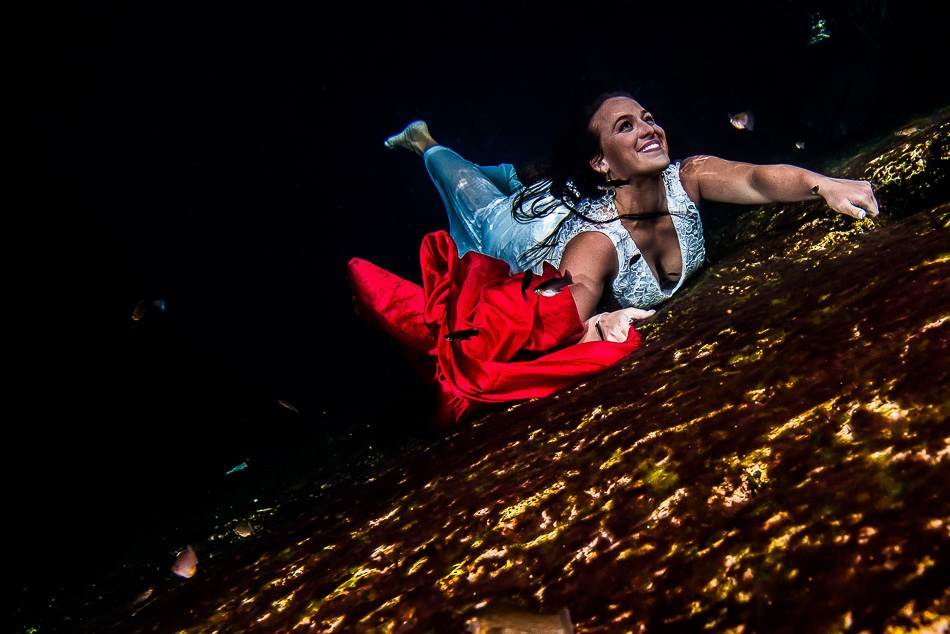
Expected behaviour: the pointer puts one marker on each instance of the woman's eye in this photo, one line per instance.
(625, 125)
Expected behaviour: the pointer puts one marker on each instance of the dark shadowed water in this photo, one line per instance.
(229, 161)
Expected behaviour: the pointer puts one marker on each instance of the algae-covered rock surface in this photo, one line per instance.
(774, 458)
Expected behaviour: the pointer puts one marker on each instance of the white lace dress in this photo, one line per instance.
(479, 203)
(635, 284)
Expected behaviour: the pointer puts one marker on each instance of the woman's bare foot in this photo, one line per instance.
(414, 137)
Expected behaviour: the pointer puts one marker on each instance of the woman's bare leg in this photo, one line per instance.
(477, 199)
(415, 137)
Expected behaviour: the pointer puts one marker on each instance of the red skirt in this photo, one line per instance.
(524, 348)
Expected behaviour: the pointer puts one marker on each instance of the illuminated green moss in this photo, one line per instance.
(772, 459)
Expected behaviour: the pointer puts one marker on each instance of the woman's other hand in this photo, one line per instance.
(616, 326)
(851, 198)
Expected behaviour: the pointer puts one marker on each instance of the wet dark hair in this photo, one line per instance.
(568, 175)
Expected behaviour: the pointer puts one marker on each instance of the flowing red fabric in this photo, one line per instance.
(523, 346)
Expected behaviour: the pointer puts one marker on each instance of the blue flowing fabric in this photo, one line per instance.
(479, 203)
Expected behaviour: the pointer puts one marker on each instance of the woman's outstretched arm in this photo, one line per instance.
(591, 259)
(720, 180)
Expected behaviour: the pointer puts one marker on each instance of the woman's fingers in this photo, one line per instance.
(870, 198)
(869, 201)
(618, 333)
(850, 209)
(852, 198)
(616, 325)
(634, 314)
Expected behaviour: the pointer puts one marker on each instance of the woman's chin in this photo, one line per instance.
(658, 162)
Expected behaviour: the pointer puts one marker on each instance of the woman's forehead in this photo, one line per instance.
(614, 108)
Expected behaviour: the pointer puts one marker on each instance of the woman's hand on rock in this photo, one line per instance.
(851, 198)
(616, 326)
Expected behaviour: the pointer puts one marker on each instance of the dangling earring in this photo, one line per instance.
(609, 189)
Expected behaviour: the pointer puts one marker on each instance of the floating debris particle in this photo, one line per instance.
(819, 29)
(240, 467)
(289, 406)
(186, 563)
(800, 145)
(143, 306)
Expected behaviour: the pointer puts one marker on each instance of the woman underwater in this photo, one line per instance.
(612, 209)
(610, 217)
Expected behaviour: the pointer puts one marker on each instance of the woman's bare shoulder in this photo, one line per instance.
(591, 240)
(690, 170)
(593, 251)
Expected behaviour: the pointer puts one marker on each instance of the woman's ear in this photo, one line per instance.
(599, 164)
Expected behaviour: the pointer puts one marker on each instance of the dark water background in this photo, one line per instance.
(229, 161)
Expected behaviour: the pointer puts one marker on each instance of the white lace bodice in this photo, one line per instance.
(635, 285)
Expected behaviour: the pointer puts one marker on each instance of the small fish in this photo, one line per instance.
(186, 563)
(743, 120)
(240, 467)
(800, 145)
(554, 285)
(507, 620)
(243, 529)
(461, 335)
(143, 596)
(143, 306)
(526, 283)
(289, 406)
(916, 126)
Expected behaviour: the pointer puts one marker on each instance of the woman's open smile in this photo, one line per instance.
(632, 144)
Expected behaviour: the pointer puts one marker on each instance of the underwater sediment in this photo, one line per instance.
(774, 458)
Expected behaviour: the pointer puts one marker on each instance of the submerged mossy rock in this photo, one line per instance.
(774, 458)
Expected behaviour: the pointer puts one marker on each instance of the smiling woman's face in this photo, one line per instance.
(631, 142)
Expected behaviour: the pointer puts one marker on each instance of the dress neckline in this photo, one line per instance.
(608, 205)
